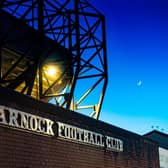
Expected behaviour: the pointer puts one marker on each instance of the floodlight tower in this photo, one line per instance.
(67, 34)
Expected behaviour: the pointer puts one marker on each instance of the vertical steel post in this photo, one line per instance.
(41, 30)
(76, 73)
(40, 15)
(105, 68)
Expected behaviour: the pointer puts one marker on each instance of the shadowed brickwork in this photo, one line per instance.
(21, 149)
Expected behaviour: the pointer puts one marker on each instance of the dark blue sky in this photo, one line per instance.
(137, 44)
(137, 38)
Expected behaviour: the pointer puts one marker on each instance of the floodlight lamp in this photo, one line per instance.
(50, 70)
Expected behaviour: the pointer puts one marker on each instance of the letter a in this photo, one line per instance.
(2, 117)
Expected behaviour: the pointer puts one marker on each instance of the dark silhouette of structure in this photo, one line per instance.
(161, 139)
(54, 50)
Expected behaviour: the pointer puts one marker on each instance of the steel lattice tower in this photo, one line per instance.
(75, 25)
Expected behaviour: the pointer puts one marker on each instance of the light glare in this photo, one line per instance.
(50, 70)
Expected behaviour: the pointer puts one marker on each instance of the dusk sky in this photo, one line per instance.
(137, 48)
(137, 39)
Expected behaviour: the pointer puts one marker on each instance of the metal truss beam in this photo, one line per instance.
(80, 28)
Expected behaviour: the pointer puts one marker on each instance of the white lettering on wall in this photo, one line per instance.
(19, 119)
(70, 132)
(2, 117)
